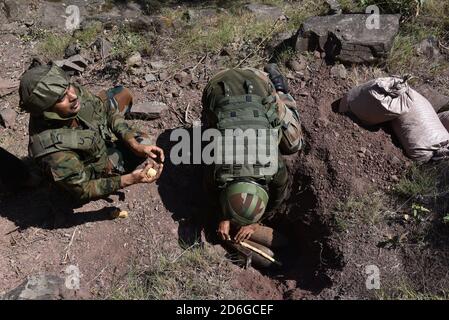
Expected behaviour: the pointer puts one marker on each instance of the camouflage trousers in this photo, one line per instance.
(121, 159)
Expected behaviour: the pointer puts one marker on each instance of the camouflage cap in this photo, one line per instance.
(244, 202)
(41, 87)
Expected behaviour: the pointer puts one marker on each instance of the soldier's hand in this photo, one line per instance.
(223, 230)
(144, 175)
(152, 152)
(245, 232)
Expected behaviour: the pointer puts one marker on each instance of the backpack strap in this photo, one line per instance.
(226, 89)
(54, 140)
(249, 87)
(237, 101)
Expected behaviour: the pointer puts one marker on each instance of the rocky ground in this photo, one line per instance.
(339, 215)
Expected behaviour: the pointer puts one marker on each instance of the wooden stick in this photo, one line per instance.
(66, 256)
(263, 254)
(186, 115)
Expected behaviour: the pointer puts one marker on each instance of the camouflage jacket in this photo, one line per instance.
(83, 175)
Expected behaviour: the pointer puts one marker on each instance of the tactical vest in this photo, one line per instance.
(89, 143)
(238, 99)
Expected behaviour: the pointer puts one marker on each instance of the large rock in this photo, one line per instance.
(195, 15)
(15, 10)
(263, 12)
(8, 117)
(75, 63)
(347, 38)
(53, 14)
(438, 100)
(147, 110)
(8, 86)
(280, 42)
(429, 48)
(43, 287)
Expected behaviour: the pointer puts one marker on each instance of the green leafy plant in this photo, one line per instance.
(419, 212)
(446, 219)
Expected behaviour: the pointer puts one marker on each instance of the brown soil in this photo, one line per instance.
(41, 232)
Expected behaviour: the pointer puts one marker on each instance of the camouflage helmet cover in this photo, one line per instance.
(41, 87)
(244, 202)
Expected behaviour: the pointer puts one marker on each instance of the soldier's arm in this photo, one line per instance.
(67, 171)
(292, 135)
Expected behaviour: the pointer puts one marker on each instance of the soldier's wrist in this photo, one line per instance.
(132, 143)
(126, 180)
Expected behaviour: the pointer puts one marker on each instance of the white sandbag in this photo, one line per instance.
(377, 101)
(421, 132)
(444, 118)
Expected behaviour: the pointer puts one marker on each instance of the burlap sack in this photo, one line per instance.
(421, 132)
(377, 101)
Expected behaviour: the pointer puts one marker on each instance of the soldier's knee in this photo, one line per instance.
(120, 98)
(124, 99)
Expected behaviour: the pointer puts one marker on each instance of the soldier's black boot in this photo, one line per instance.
(279, 81)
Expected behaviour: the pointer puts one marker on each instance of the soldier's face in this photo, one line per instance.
(68, 105)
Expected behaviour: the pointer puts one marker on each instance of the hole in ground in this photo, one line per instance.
(309, 255)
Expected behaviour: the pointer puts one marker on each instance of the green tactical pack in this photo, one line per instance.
(239, 99)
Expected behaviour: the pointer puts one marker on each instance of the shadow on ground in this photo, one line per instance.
(47, 208)
(181, 191)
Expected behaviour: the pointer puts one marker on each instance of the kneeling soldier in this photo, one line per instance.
(250, 99)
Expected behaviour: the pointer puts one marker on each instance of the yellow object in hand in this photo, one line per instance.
(151, 173)
(120, 214)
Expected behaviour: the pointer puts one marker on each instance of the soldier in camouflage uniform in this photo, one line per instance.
(81, 141)
(249, 99)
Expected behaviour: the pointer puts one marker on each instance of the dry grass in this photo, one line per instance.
(358, 75)
(420, 181)
(198, 273)
(239, 30)
(404, 291)
(367, 209)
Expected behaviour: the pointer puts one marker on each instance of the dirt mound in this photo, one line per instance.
(342, 159)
